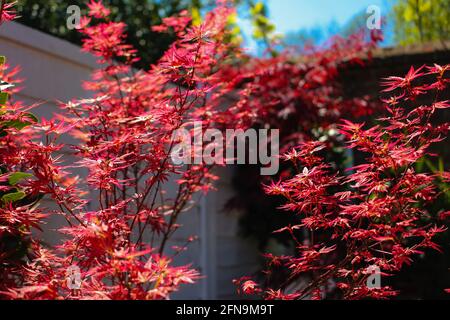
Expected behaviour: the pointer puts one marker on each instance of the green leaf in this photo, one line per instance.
(20, 124)
(31, 117)
(2, 60)
(425, 6)
(16, 177)
(420, 165)
(13, 197)
(258, 8)
(196, 16)
(3, 98)
(408, 14)
(17, 124)
(431, 166)
(441, 165)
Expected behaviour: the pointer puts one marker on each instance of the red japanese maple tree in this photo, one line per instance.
(121, 217)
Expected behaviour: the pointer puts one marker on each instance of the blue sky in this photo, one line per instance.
(293, 15)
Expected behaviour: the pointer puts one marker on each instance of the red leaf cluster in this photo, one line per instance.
(373, 215)
(7, 12)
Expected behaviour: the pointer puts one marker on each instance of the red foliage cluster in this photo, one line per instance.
(302, 94)
(298, 93)
(7, 13)
(375, 214)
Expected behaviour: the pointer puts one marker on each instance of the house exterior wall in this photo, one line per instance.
(53, 70)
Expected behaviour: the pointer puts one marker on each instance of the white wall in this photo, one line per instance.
(53, 71)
